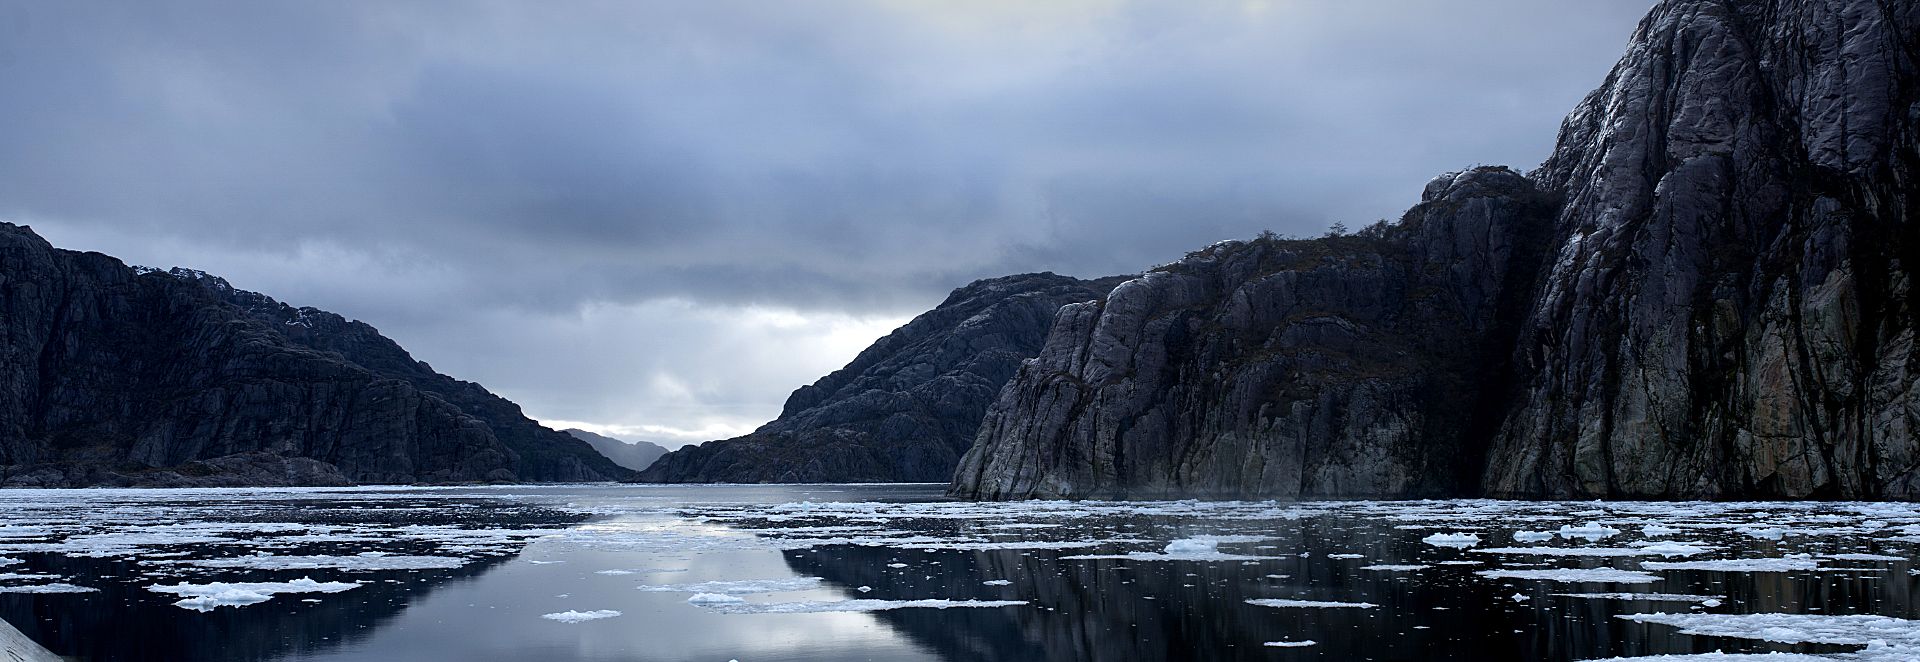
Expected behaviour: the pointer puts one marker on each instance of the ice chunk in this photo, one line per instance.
(739, 587)
(1290, 644)
(47, 588)
(713, 598)
(1455, 540)
(366, 561)
(206, 597)
(1887, 637)
(1308, 604)
(571, 616)
(1573, 575)
(1532, 536)
(1591, 531)
(861, 605)
(1387, 567)
(1193, 546)
(1650, 597)
(1785, 564)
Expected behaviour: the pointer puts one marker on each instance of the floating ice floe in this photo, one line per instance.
(1660, 549)
(1290, 644)
(1781, 564)
(860, 605)
(1591, 531)
(206, 597)
(1650, 597)
(1864, 557)
(1575, 575)
(571, 616)
(1885, 637)
(1185, 549)
(997, 582)
(1657, 529)
(1763, 533)
(1006, 544)
(1717, 656)
(362, 562)
(1455, 540)
(1389, 567)
(1532, 536)
(739, 587)
(1308, 604)
(713, 598)
(48, 588)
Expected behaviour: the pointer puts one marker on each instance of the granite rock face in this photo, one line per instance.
(112, 375)
(635, 455)
(1715, 302)
(906, 407)
(1728, 311)
(1331, 367)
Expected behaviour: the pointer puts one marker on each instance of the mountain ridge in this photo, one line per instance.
(116, 375)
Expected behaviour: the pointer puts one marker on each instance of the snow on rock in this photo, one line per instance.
(206, 597)
(571, 616)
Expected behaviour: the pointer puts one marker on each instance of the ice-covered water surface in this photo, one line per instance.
(897, 573)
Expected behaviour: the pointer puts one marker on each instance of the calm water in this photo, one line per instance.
(896, 573)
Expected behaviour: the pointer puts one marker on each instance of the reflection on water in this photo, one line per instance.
(1099, 580)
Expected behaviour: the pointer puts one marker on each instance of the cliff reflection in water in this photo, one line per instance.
(125, 621)
(1121, 609)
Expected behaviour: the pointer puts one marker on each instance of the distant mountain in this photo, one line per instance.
(906, 407)
(1706, 291)
(635, 455)
(115, 375)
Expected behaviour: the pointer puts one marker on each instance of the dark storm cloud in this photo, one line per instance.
(465, 174)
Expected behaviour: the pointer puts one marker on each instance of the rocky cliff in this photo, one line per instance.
(906, 407)
(1728, 309)
(1703, 292)
(112, 375)
(635, 455)
(1332, 367)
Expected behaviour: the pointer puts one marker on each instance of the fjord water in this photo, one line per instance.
(827, 572)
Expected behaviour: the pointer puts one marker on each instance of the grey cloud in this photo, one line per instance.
(437, 166)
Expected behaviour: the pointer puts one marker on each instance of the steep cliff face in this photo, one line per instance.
(1728, 310)
(1720, 307)
(905, 408)
(118, 376)
(1338, 366)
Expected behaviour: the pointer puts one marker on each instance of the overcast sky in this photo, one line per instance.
(659, 218)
